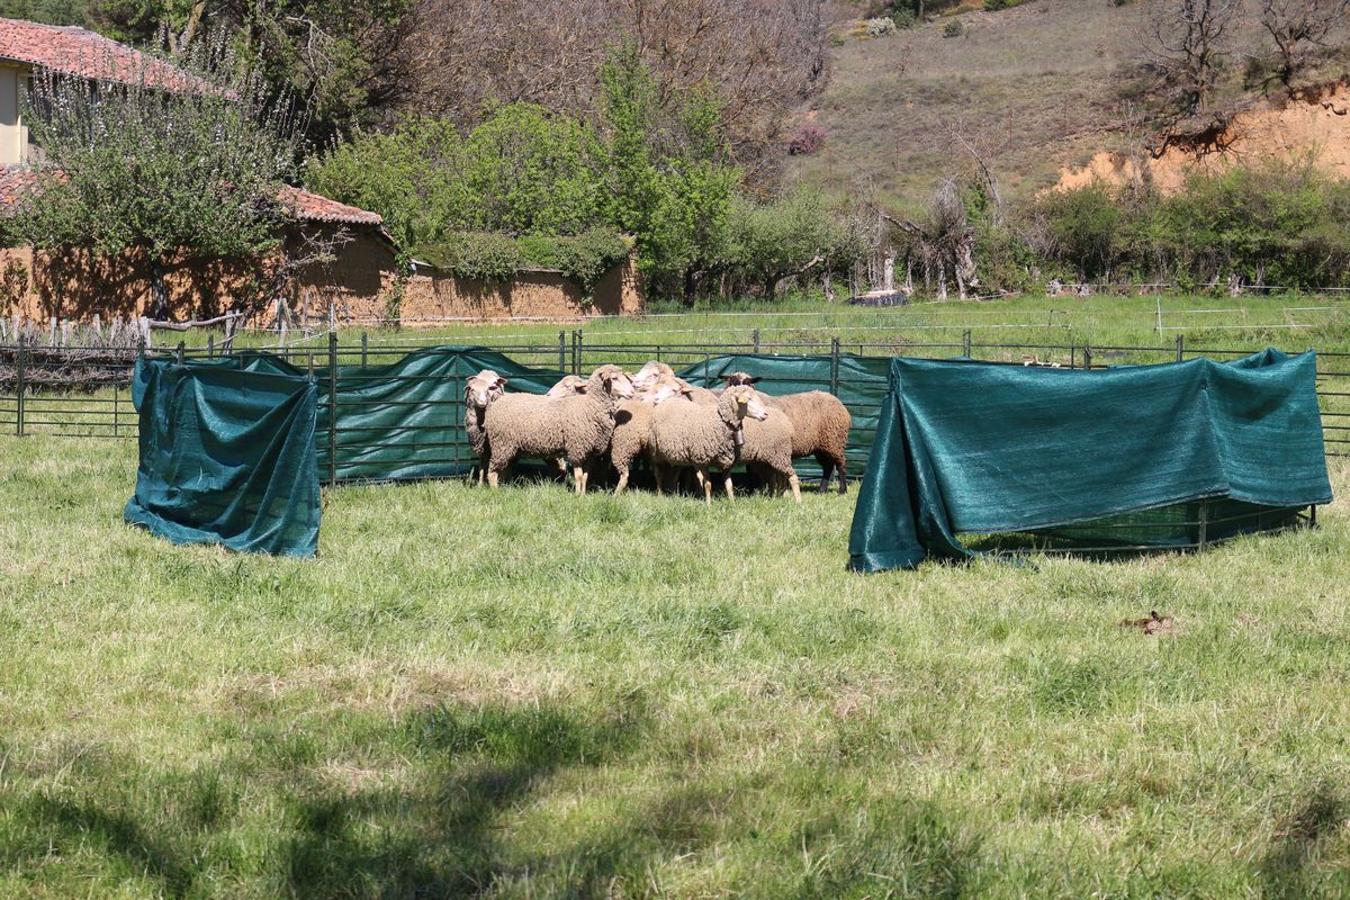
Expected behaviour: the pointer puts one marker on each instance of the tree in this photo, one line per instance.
(1298, 26)
(789, 236)
(346, 60)
(1187, 46)
(172, 174)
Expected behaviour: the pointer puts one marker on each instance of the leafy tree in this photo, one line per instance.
(789, 236)
(411, 175)
(344, 59)
(167, 173)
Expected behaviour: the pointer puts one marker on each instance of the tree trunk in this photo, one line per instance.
(159, 291)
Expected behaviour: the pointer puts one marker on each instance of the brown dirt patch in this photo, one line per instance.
(1154, 623)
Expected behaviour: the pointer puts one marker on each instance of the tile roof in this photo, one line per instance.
(306, 206)
(78, 51)
(311, 207)
(15, 181)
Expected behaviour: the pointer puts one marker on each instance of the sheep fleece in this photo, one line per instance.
(578, 427)
(692, 434)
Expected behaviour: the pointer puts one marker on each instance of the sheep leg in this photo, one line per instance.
(492, 478)
(826, 471)
(796, 484)
(704, 483)
(731, 491)
(623, 478)
(579, 479)
(659, 472)
(843, 479)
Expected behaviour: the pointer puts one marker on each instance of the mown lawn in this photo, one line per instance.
(530, 694)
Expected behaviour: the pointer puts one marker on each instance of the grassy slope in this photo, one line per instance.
(1034, 88)
(527, 693)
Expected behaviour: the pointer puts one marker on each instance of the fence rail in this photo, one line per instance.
(85, 392)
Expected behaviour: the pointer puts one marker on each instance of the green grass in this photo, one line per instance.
(806, 324)
(525, 693)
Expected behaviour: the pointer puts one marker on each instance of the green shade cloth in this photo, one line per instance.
(227, 456)
(1125, 456)
(860, 382)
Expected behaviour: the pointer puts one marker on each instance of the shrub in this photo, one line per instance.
(904, 18)
(995, 5)
(880, 27)
(488, 256)
(953, 28)
(807, 139)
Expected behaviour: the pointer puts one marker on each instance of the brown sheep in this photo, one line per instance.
(633, 425)
(820, 426)
(699, 436)
(576, 428)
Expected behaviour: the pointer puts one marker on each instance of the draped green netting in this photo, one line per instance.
(227, 457)
(1169, 455)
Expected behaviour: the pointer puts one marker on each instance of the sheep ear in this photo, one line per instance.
(754, 379)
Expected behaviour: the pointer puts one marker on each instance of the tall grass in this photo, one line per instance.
(525, 693)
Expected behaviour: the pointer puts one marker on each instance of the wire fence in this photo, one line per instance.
(85, 392)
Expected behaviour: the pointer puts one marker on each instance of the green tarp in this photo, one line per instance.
(227, 457)
(1167, 455)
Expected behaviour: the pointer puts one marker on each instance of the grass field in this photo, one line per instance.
(530, 694)
(1292, 321)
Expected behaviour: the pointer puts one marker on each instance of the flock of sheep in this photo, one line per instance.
(660, 417)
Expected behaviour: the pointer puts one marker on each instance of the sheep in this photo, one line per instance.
(820, 426)
(577, 428)
(768, 445)
(569, 385)
(692, 434)
(633, 425)
(654, 370)
(479, 391)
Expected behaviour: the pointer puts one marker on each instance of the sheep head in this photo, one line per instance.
(483, 388)
(569, 385)
(649, 373)
(613, 380)
(746, 403)
(735, 379)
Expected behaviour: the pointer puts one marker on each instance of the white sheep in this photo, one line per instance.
(479, 391)
(577, 428)
(700, 436)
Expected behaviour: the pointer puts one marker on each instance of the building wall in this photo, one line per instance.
(13, 134)
(363, 285)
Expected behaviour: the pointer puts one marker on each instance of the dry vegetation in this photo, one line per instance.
(1034, 89)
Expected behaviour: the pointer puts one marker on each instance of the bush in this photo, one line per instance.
(880, 27)
(953, 28)
(904, 18)
(807, 139)
(488, 256)
(995, 5)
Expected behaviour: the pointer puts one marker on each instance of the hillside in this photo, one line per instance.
(1039, 90)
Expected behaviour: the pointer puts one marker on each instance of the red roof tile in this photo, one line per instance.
(77, 51)
(306, 206)
(15, 182)
(311, 207)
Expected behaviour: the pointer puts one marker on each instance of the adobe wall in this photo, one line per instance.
(363, 284)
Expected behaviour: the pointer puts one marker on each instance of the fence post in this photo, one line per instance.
(1181, 348)
(576, 352)
(1073, 356)
(21, 382)
(1204, 522)
(834, 366)
(181, 348)
(965, 344)
(210, 346)
(754, 335)
(332, 408)
(1087, 356)
(365, 346)
(562, 351)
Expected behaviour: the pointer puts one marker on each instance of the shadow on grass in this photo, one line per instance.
(433, 830)
(1287, 870)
